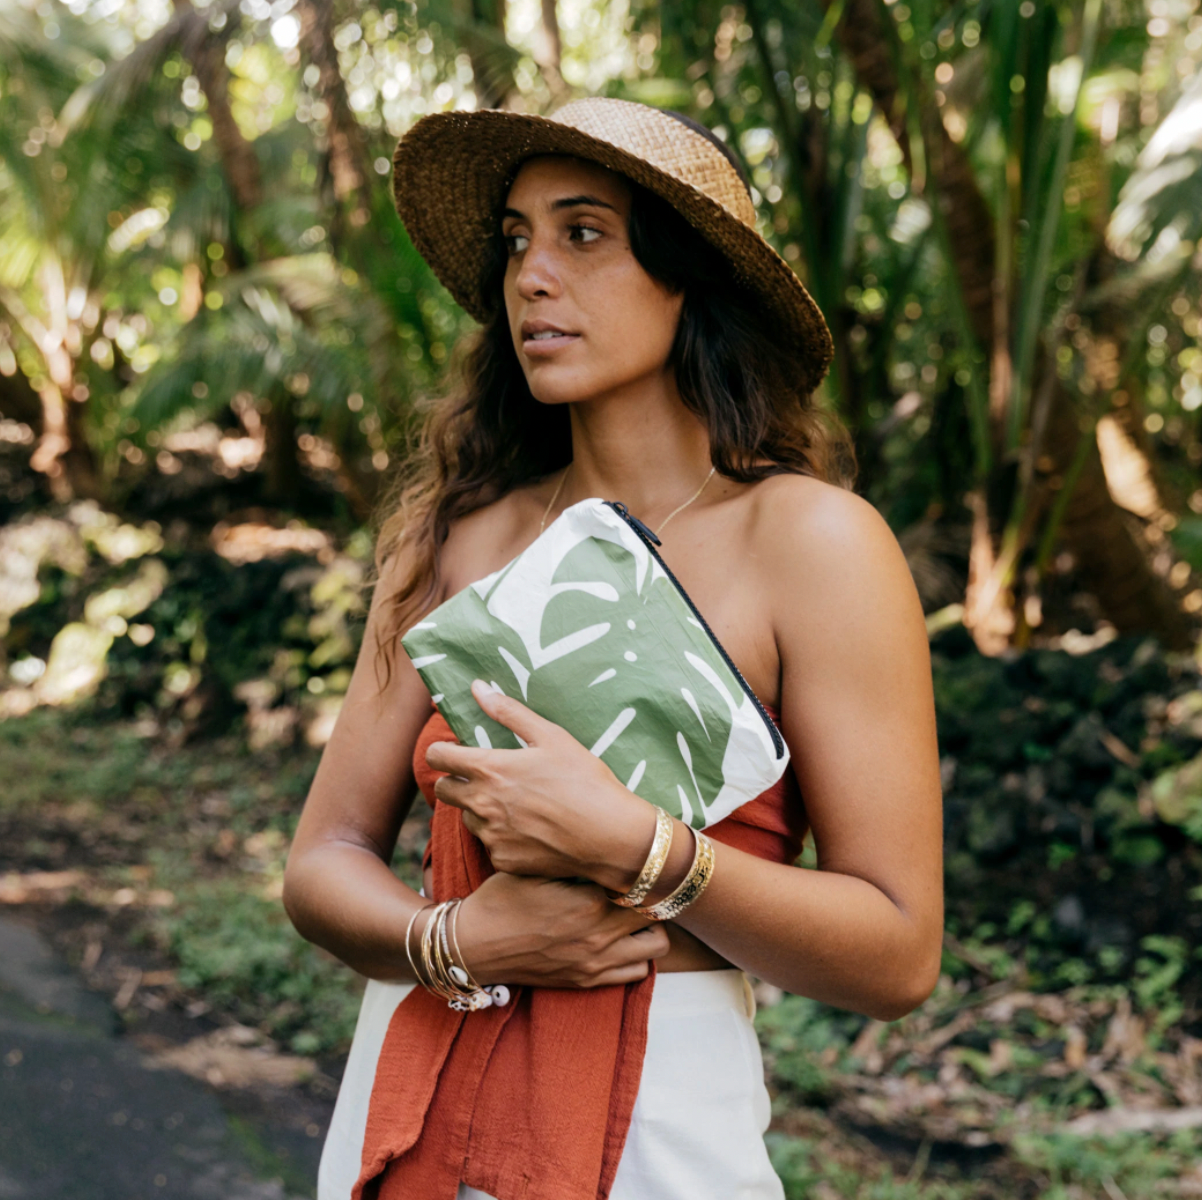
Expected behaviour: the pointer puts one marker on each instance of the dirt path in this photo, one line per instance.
(85, 1114)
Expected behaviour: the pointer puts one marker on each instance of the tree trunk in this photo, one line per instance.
(551, 30)
(865, 41)
(282, 464)
(349, 169)
(362, 485)
(206, 53)
(1094, 529)
(19, 402)
(550, 53)
(53, 444)
(79, 463)
(1109, 558)
(63, 453)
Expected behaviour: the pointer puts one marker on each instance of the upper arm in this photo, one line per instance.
(364, 783)
(856, 696)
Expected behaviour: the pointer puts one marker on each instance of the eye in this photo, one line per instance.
(512, 239)
(583, 229)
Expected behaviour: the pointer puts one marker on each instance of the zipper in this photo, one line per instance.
(651, 541)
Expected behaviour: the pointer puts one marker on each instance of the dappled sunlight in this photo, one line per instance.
(76, 665)
(111, 609)
(253, 541)
(1128, 474)
(228, 454)
(24, 548)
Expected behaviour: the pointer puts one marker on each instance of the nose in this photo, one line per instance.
(538, 271)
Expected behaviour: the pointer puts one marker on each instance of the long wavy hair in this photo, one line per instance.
(488, 434)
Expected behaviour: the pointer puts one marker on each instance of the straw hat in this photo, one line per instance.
(450, 169)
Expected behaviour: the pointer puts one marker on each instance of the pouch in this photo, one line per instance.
(590, 629)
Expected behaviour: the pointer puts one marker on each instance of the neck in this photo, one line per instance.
(640, 446)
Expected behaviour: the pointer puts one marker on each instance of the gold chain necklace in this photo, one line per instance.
(663, 524)
(551, 503)
(686, 504)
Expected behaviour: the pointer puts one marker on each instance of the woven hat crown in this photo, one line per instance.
(665, 143)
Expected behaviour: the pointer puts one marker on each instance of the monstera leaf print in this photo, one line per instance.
(588, 630)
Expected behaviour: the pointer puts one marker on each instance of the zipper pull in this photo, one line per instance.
(634, 522)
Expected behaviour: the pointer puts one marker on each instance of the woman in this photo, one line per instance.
(641, 343)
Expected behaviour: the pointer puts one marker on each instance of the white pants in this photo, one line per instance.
(699, 1118)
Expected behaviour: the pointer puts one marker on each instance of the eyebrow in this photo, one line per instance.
(565, 202)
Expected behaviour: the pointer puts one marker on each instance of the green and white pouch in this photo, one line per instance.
(589, 628)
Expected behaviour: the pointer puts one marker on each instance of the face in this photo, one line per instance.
(586, 319)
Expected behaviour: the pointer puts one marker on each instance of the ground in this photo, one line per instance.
(156, 1004)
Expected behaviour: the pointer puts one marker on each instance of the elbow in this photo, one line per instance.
(908, 990)
(292, 897)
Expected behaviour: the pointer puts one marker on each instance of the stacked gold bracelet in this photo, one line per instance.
(653, 867)
(439, 972)
(691, 887)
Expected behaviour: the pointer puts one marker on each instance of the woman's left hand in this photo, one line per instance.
(551, 808)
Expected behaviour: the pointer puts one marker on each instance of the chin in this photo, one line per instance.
(575, 387)
(548, 390)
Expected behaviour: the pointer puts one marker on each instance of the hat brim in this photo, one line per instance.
(448, 174)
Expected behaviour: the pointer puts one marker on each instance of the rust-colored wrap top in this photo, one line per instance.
(530, 1101)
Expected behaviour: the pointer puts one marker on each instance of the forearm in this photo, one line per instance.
(832, 937)
(344, 898)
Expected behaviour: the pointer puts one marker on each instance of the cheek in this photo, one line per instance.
(638, 320)
(513, 306)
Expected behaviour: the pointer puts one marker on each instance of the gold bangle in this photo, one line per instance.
(438, 949)
(431, 984)
(468, 982)
(408, 949)
(691, 887)
(440, 974)
(653, 867)
(429, 942)
(443, 960)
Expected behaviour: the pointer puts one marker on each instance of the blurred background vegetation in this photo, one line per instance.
(215, 338)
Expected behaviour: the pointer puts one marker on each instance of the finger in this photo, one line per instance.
(634, 949)
(452, 791)
(653, 942)
(631, 973)
(626, 920)
(513, 714)
(464, 761)
(472, 823)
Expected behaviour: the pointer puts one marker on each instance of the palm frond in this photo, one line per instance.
(282, 320)
(104, 99)
(1164, 192)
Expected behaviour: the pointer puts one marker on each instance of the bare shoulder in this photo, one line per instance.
(483, 541)
(829, 554)
(811, 517)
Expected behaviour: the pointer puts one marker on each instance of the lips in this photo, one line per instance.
(534, 326)
(541, 337)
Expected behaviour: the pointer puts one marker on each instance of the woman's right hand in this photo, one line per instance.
(522, 929)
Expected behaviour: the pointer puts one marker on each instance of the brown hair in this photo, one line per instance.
(488, 434)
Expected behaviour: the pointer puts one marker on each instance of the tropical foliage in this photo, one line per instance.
(996, 205)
